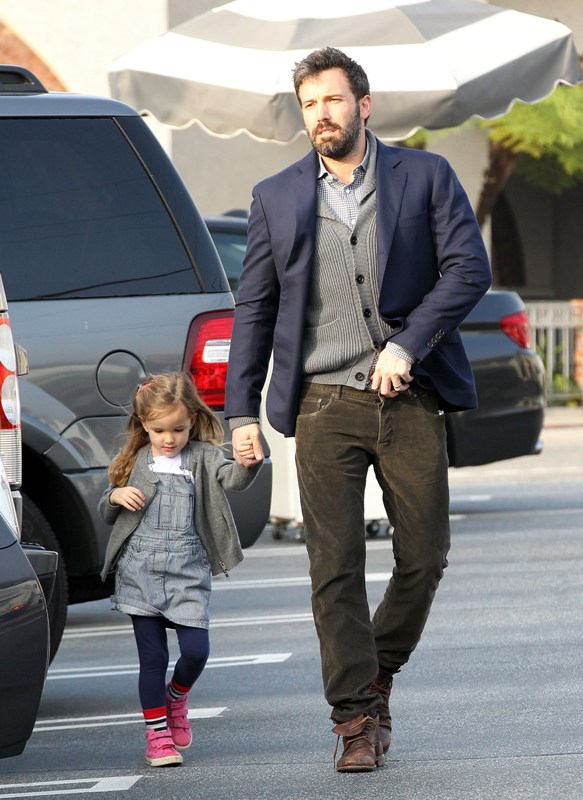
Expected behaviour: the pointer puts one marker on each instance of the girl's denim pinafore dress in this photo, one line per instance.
(164, 569)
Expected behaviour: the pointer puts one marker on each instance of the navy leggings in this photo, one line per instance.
(152, 642)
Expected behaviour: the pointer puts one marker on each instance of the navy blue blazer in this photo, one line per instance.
(433, 269)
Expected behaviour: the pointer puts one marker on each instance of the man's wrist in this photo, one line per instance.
(401, 352)
(238, 422)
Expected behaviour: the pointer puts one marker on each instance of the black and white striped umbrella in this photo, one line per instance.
(431, 63)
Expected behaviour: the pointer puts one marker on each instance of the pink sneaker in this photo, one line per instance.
(178, 724)
(160, 750)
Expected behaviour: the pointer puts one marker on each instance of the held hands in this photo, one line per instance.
(392, 375)
(247, 447)
(127, 496)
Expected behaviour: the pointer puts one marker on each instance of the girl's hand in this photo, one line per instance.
(127, 496)
(247, 447)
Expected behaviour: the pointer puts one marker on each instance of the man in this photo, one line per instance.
(362, 261)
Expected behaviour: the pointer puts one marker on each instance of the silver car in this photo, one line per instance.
(24, 581)
(110, 274)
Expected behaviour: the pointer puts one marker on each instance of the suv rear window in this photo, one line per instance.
(80, 217)
(231, 247)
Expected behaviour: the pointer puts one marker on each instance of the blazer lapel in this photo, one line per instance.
(306, 194)
(301, 228)
(391, 178)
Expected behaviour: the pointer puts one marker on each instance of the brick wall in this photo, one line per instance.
(14, 51)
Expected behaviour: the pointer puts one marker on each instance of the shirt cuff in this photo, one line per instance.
(401, 352)
(238, 422)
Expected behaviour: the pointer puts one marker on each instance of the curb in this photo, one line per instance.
(558, 417)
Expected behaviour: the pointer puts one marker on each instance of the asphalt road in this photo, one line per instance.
(488, 707)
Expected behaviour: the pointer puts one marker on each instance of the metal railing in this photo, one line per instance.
(557, 335)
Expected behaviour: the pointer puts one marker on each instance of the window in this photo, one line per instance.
(231, 248)
(80, 217)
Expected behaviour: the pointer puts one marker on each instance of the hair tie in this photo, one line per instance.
(143, 386)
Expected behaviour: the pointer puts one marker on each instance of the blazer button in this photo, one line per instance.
(353, 240)
(367, 312)
(359, 376)
(360, 278)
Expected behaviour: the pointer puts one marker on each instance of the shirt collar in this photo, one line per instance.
(362, 167)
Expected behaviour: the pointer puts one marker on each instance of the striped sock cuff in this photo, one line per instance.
(176, 691)
(155, 718)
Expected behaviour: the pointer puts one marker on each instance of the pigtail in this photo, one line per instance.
(122, 465)
(207, 426)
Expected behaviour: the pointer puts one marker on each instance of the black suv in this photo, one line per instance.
(111, 274)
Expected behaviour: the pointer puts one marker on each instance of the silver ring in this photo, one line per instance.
(397, 385)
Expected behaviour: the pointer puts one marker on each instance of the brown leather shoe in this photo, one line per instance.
(362, 747)
(383, 686)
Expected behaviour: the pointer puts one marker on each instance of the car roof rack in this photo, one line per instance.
(18, 80)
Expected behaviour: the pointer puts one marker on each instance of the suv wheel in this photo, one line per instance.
(35, 528)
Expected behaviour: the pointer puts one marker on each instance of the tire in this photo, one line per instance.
(35, 528)
(373, 528)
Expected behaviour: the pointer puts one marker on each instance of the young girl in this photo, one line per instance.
(172, 528)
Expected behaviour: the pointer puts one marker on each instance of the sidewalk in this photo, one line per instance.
(563, 417)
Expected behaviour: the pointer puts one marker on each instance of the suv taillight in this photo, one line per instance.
(517, 327)
(207, 355)
(10, 436)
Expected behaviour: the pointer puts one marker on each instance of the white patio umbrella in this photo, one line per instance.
(431, 63)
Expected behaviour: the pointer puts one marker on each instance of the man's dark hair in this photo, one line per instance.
(331, 58)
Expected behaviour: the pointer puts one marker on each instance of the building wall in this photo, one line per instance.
(568, 244)
(550, 226)
(569, 12)
(78, 38)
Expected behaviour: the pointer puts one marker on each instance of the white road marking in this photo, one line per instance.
(282, 550)
(271, 619)
(98, 630)
(69, 723)
(69, 673)
(267, 583)
(479, 473)
(227, 584)
(473, 498)
(119, 784)
(233, 622)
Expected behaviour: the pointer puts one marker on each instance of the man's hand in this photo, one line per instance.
(392, 374)
(247, 447)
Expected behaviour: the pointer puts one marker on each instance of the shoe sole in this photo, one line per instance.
(165, 761)
(380, 762)
(182, 747)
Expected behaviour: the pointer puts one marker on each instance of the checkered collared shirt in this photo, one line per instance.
(341, 198)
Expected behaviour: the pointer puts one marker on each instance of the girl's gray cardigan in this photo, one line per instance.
(213, 473)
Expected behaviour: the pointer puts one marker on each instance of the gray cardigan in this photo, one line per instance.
(213, 473)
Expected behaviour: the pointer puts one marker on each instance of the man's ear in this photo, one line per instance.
(365, 106)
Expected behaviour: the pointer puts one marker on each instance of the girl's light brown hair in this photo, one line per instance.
(158, 396)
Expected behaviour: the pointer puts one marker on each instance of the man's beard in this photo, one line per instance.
(341, 146)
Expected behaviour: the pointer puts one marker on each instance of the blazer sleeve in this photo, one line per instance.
(255, 315)
(463, 267)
